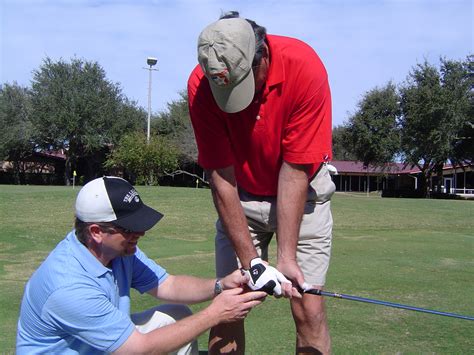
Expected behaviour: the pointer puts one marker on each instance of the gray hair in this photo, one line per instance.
(260, 35)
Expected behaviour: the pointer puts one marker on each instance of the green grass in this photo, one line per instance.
(415, 252)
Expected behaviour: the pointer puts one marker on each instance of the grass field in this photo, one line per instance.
(415, 252)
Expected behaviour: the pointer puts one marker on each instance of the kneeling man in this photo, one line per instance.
(78, 301)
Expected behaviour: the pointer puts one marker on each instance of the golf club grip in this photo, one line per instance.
(384, 303)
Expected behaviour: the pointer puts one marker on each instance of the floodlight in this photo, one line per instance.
(151, 61)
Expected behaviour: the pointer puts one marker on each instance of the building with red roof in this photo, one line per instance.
(354, 176)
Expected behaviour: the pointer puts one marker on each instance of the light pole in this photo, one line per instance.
(151, 61)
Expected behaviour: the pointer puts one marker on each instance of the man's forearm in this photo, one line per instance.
(176, 289)
(231, 214)
(171, 337)
(188, 329)
(292, 194)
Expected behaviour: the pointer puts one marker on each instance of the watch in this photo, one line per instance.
(218, 287)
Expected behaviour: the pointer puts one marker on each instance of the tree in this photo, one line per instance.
(341, 144)
(372, 132)
(16, 142)
(79, 110)
(176, 125)
(436, 107)
(458, 85)
(145, 162)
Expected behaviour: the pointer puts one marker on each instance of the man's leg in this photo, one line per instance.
(230, 337)
(313, 254)
(312, 332)
(161, 316)
(227, 338)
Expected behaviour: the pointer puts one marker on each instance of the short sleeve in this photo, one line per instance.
(86, 313)
(307, 136)
(146, 274)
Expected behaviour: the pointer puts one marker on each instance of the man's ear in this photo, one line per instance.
(265, 51)
(96, 233)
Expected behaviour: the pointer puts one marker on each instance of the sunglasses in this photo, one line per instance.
(114, 229)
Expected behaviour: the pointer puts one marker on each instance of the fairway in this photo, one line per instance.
(411, 251)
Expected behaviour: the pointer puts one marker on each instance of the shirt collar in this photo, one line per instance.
(88, 261)
(276, 72)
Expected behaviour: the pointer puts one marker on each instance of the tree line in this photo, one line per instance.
(426, 121)
(71, 106)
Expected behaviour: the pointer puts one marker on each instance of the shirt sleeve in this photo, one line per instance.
(147, 274)
(86, 313)
(209, 126)
(307, 134)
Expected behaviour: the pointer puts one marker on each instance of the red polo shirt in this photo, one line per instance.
(291, 121)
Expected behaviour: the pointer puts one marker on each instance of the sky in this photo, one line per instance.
(363, 44)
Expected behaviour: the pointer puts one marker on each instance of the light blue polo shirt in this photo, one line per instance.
(75, 305)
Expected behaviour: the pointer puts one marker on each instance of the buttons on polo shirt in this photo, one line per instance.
(258, 117)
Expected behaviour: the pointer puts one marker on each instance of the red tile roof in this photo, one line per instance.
(357, 167)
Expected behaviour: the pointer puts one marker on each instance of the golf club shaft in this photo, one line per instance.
(383, 303)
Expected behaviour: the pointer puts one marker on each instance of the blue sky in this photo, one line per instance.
(363, 44)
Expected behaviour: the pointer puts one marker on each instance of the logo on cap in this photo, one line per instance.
(132, 195)
(221, 78)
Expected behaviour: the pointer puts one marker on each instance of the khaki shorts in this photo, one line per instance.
(161, 316)
(314, 244)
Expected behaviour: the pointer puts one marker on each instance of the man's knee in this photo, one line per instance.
(160, 316)
(311, 326)
(309, 309)
(175, 311)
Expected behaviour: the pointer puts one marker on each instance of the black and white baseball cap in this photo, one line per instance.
(115, 200)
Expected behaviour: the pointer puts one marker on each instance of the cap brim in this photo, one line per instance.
(140, 220)
(237, 98)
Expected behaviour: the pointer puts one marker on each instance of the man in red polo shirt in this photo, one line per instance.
(260, 106)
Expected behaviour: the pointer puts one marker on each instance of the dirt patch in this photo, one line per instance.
(21, 266)
(356, 237)
(189, 238)
(5, 247)
(197, 255)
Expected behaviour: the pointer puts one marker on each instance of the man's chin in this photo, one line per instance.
(130, 251)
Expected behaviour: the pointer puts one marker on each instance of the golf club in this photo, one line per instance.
(318, 292)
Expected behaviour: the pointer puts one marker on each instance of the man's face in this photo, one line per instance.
(119, 242)
(260, 72)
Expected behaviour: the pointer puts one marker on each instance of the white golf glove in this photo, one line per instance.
(265, 277)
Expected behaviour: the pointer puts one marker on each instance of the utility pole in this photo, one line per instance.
(151, 61)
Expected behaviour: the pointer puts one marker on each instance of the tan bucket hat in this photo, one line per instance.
(226, 49)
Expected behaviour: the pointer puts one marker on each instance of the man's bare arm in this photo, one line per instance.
(186, 289)
(231, 214)
(292, 195)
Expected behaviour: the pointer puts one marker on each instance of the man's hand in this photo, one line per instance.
(235, 279)
(291, 270)
(264, 277)
(235, 304)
